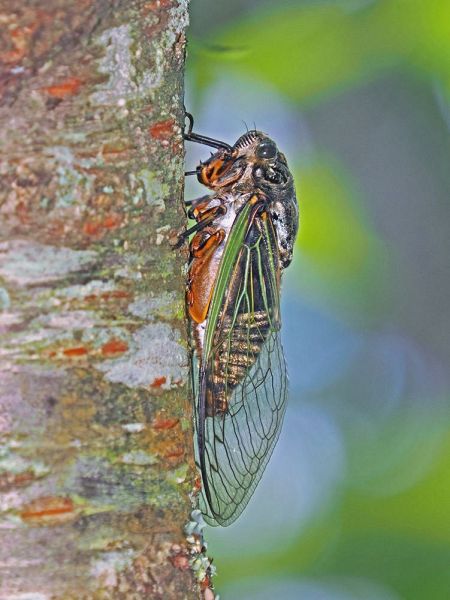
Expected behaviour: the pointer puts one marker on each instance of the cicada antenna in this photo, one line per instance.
(203, 139)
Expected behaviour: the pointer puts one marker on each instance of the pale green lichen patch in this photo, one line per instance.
(106, 567)
(138, 457)
(124, 80)
(101, 335)
(179, 475)
(149, 187)
(156, 360)
(67, 321)
(179, 20)
(12, 462)
(5, 300)
(92, 288)
(72, 175)
(108, 481)
(30, 263)
(166, 305)
(28, 343)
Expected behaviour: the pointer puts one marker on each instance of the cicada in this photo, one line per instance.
(243, 239)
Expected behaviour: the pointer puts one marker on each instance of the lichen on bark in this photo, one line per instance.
(96, 467)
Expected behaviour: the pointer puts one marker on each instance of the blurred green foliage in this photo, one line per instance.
(317, 48)
(342, 260)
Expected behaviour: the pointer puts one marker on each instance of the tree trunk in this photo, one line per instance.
(96, 466)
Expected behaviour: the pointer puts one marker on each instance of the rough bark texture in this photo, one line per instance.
(96, 463)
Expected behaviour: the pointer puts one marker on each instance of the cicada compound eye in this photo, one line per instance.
(266, 149)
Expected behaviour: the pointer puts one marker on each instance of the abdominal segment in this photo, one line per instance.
(233, 358)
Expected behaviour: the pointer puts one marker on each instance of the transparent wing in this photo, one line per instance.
(243, 382)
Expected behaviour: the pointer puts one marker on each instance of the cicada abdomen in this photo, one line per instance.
(244, 237)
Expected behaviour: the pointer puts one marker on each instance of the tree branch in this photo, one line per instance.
(96, 467)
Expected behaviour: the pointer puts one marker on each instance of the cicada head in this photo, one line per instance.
(267, 172)
(254, 159)
(267, 165)
(255, 164)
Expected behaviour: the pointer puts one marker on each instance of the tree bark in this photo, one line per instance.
(96, 468)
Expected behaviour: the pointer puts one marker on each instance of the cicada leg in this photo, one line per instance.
(199, 288)
(198, 201)
(204, 217)
(203, 139)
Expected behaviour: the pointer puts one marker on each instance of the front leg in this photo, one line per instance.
(202, 212)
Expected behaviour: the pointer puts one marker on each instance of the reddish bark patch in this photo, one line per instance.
(175, 454)
(77, 351)
(115, 294)
(164, 423)
(10, 480)
(112, 221)
(20, 38)
(157, 4)
(158, 382)
(23, 213)
(68, 87)
(163, 130)
(180, 561)
(114, 347)
(48, 509)
(117, 147)
(107, 296)
(92, 228)
(98, 228)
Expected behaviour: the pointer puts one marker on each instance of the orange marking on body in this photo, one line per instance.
(114, 347)
(68, 87)
(202, 276)
(158, 382)
(200, 208)
(77, 351)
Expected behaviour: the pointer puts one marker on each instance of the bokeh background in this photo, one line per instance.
(355, 503)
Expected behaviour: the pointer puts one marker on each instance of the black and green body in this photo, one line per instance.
(242, 379)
